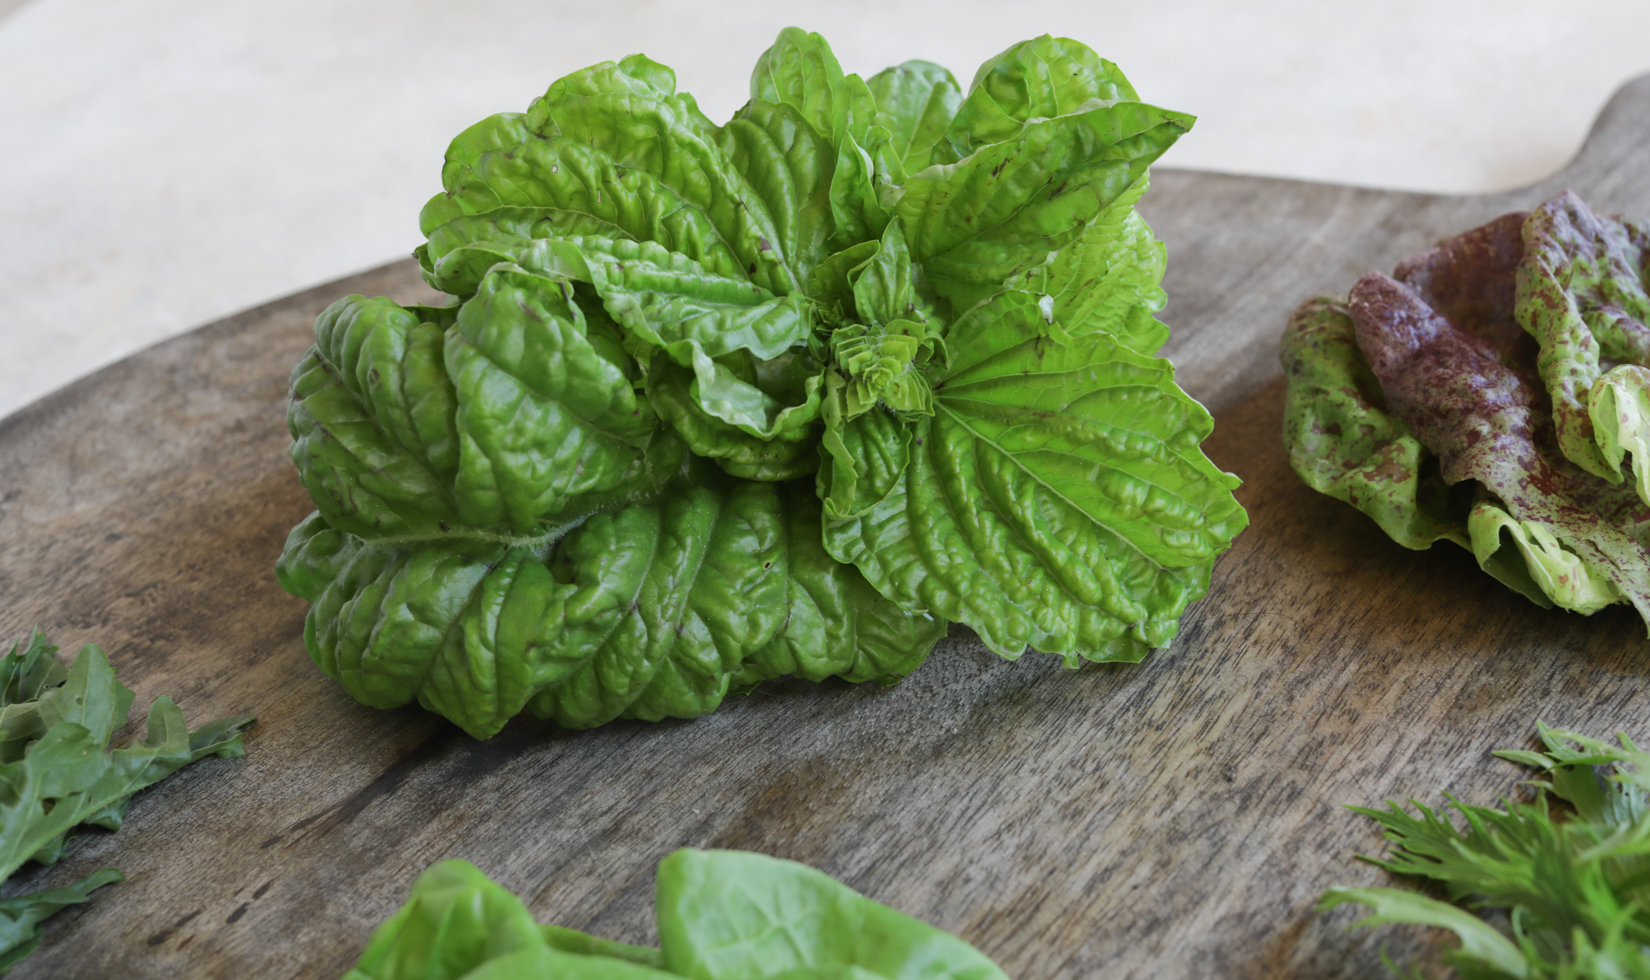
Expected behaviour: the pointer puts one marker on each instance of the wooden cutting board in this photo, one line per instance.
(1176, 818)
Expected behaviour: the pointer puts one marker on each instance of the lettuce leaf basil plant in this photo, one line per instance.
(714, 404)
(1489, 394)
(722, 915)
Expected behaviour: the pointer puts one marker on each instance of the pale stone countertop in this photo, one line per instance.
(169, 162)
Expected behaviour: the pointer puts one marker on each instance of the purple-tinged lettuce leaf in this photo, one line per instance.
(1437, 421)
(1485, 422)
(1343, 442)
(1581, 293)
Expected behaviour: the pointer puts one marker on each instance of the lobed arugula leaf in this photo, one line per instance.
(723, 915)
(57, 774)
(574, 488)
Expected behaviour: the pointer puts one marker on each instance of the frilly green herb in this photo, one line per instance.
(1574, 887)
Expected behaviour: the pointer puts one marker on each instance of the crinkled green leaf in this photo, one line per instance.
(460, 252)
(916, 102)
(1003, 209)
(21, 916)
(831, 282)
(800, 70)
(1582, 294)
(883, 290)
(790, 166)
(474, 147)
(785, 446)
(1041, 78)
(1108, 279)
(1073, 512)
(665, 136)
(566, 175)
(633, 75)
(730, 915)
(542, 416)
(646, 611)
(866, 462)
(837, 626)
(372, 417)
(667, 300)
(858, 208)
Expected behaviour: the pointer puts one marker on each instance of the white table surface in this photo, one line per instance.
(169, 162)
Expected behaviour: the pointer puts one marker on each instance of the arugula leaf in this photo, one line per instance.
(1575, 889)
(21, 916)
(57, 774)
(723, 915)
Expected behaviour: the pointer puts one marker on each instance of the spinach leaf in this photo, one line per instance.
(723, 915)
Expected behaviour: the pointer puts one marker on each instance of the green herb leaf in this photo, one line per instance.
(1040, 504)
(1574, 890)
(21, 916)
(916, 102)
(730, 915)
(57, 772)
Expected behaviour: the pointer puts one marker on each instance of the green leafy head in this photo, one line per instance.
(622, 471)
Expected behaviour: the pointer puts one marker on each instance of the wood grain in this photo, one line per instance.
(1172, 819)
